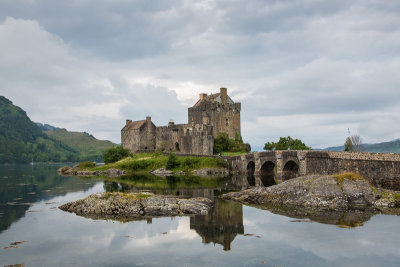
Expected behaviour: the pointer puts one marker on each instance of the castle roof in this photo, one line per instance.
(134, 125)
(213, 97)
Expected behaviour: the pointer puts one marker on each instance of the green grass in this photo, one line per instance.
(144, 162)
(86, 165)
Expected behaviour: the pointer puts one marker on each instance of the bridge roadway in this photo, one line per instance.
(271, 167)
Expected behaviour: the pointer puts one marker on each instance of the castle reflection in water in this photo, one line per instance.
(220, 226)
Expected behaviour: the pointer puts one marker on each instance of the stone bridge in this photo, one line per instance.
(272, 167)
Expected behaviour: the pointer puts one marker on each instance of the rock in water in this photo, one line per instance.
(312, 192)
(136, 205)
(162, 172)
(211, 172)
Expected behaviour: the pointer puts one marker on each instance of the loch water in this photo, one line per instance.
(232, 235)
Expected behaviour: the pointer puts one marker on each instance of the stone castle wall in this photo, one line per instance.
(140, 139)
(185, 138)
(220, 112)
(224, 117)
(131, 139)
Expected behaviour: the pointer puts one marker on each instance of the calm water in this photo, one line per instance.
(233, 235)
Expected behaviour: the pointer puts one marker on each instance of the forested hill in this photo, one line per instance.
(86, 145)
(385, 147)
(22, 140)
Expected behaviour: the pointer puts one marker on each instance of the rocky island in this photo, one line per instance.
(320, 193)
(130, 206)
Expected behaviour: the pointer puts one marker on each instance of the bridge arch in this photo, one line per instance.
(251, 167)
(267, 173)
(290, 170)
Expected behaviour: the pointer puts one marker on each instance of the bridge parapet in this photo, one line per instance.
(363, 155)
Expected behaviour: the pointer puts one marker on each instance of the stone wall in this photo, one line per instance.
(228, 120)
(142, 138)
(224, 115)
(185, 138)
(381, 170)
(131, 140)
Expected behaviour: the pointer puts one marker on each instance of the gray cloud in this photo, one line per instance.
(329, 66)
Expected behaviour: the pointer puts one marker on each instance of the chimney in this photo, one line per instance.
(202, 96)
(224, 95)
(148, 121)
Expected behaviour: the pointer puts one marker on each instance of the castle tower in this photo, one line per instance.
(219, 111)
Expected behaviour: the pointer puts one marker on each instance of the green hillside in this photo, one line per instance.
(21, 140)
(86, 145)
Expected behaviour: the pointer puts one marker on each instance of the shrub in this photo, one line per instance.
(172, 162)
(224, 144)
(222, 163)
(87, 164)
(190, 162)
(115, 154)
(347, 175)
(139, 164)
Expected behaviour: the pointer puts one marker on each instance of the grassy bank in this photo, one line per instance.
(144, 162)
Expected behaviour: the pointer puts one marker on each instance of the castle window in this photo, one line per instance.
(227, 122)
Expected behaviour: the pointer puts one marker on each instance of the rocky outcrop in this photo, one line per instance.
(312, 193)
(75, 170)
(203, 172)
(136, 205)
(162, 172)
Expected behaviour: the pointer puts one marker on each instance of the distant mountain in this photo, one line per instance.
(22, 140)
(333, 148)
(86, 145)
(385, 147)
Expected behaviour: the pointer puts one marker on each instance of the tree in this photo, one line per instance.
(115, 154)
(286, 143)
(348, 145)
(172, 161)
(224, 144)
(356, 141)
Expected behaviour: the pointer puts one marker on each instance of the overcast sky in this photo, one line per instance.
(307, 68)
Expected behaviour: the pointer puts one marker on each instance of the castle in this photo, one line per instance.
(211, 115)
